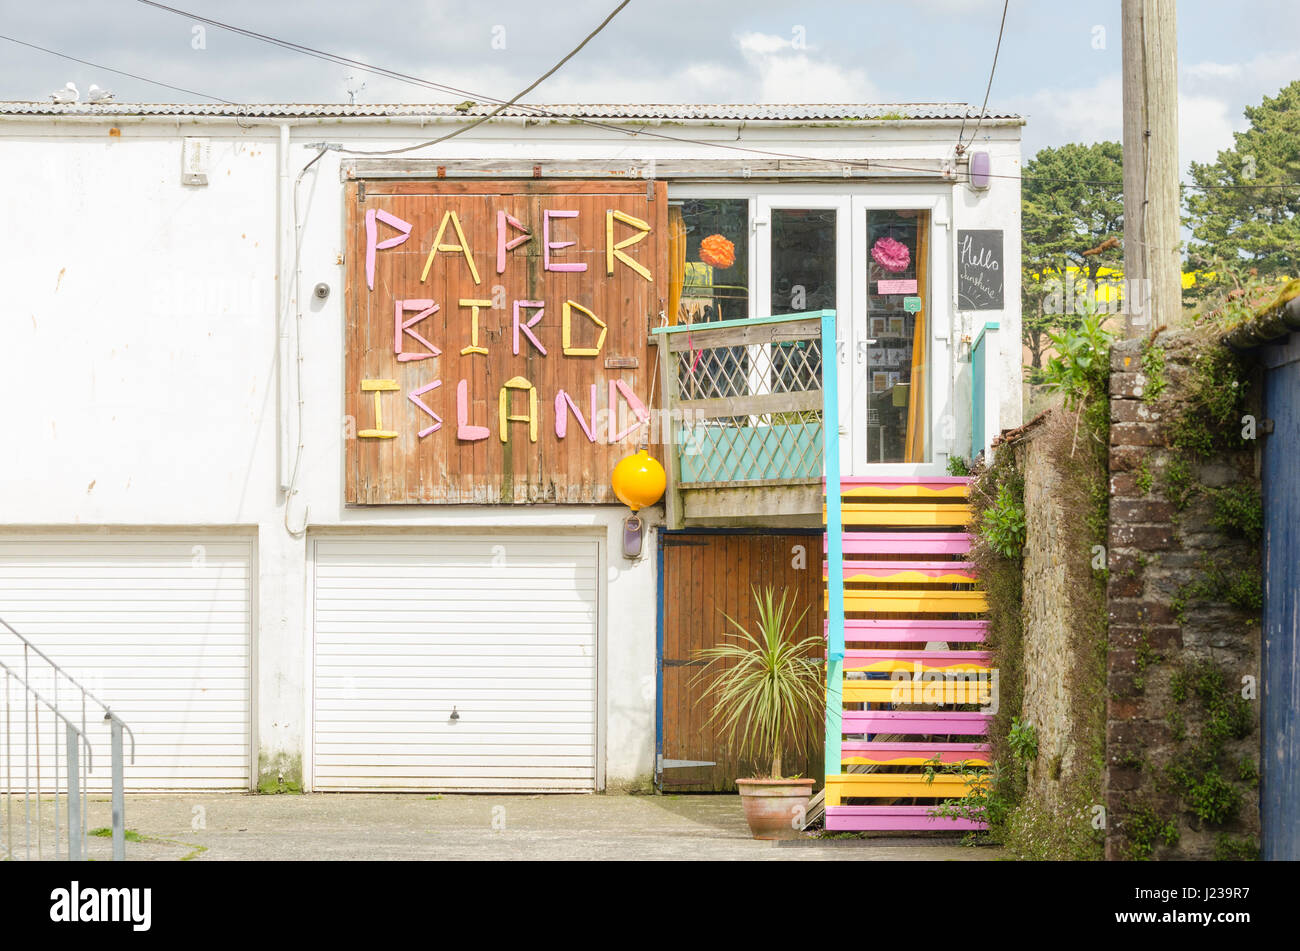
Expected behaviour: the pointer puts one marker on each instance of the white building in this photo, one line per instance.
(175, 521)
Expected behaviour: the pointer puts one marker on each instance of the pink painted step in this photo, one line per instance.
(850, 481)
(903, 543)
(892, 818)
(923, 723)
(885, 569)
(947, 752)
(913, 631)
(935, 658)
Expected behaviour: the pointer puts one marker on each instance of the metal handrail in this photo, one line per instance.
(117, 727)
(108, 712)
(75, 739)
(90, 753)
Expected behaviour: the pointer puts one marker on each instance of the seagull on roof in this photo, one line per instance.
(98, 95)
(67, 94)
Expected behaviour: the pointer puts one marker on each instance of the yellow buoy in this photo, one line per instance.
(639, 480)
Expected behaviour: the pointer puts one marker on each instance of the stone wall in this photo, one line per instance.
(1178, 593)
(1062, 615)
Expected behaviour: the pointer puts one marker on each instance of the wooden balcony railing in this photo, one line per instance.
(745, 402)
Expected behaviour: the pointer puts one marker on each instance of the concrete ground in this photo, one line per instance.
(219, 827)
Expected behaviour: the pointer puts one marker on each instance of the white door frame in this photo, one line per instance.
(939, 398)
(761, 243)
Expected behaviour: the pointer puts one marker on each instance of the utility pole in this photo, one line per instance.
(1152, 257)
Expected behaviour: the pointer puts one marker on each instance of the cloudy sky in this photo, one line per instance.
(1060, 62)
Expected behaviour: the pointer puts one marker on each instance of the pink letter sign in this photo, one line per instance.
(563, 399)
(503, 245)
(372, 234)
(402, 328)
(414, 397)
(548, 245)
(541, 310)
(896, 287)
(463, 429)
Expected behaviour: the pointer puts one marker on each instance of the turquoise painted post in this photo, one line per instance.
(977, 370)
(834, 543)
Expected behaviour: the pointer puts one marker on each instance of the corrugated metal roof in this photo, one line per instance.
(815, 112)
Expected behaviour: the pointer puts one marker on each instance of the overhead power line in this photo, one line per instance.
(543, 112)
(119, 72)
(505, 105)
(993, 69)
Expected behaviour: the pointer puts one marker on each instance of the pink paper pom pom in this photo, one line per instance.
(892, 255)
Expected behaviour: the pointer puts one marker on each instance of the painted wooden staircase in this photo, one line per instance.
(906, 674)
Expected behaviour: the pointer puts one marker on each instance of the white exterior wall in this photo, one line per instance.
(139, 360)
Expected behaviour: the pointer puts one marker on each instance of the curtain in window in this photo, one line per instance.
(914, 447)
(676, 260)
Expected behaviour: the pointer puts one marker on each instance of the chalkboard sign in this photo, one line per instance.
(979, 270)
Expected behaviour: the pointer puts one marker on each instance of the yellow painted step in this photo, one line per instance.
(909, 601)
(904, 492)
(918, 691)
(895, 786)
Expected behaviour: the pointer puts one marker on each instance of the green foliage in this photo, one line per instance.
(1060, 219)
(1143, 829)
(1081, 367)
(1241, 588)
(106, 832)
(1257, 228)
(1180, 484)
(766, 687)
(1238, 511)
(1153, 367)
(1197, 769)
(1145, 657)
(1144, 479)
(1215, 401)
(1003, 585)
(1023, 740)
(957, 466)
(1229, 849)
(1002, 524)
(1248, 772)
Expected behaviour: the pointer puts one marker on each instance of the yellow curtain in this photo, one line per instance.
(676, 260)
(914, 448)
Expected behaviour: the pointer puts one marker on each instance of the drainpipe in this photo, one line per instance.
(283, 305)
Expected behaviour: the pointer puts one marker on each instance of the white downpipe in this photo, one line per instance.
(284, 284)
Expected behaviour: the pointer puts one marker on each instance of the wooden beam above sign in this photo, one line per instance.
(900, 169)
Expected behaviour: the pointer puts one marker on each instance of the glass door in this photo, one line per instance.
(894, 347)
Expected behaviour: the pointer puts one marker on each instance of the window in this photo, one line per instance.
(716, 284)
(803, 257)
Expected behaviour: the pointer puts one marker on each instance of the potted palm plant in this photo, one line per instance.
(768, 689)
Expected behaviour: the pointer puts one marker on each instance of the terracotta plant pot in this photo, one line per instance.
(771, 806)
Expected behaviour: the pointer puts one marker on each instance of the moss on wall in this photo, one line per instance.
(278, 773)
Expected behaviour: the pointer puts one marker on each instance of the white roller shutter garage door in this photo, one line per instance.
(156, 626)
(455, 663)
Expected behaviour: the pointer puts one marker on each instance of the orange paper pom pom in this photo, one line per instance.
(717, 251)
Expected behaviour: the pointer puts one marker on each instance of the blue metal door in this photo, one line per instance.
(1280, 788)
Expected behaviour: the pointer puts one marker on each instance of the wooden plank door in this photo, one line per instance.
(707, 575)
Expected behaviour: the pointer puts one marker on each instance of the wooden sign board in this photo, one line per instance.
(497, 337)
(979, 270)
